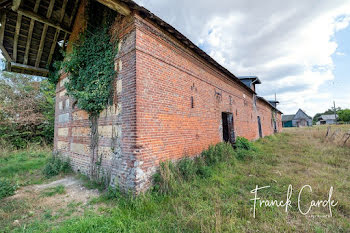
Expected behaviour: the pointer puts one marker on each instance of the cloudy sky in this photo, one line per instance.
(300, 49)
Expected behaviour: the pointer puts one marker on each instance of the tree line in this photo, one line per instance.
(27, 110)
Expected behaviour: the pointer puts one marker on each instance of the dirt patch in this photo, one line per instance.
(74, 191)
(57, 207)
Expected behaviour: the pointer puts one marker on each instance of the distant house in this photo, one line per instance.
(327, 119)
(299, 119)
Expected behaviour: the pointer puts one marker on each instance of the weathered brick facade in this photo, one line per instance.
(168, 105)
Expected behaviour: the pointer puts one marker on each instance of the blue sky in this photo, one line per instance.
(340, 86)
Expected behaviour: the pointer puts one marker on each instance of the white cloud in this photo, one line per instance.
(288, 44)
(340, 53)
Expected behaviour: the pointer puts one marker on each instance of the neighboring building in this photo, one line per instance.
(171, 98)
(299, 119)
(330, 119)
(287, 120)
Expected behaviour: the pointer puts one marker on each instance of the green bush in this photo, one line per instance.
(113, 193)
(245, 149)
(218, 153)
(202, 169)
(55, 165)
(7, 188)
(243, 143)
(187, 168)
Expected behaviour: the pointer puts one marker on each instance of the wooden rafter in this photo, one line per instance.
(2, 29)
(116, 5)
(43, 35)
(71, 20)
(54, 42)
(15, 40)
(30, 33)
(75, 8)
(5, 53)
(31, 68)
(41, 19)
(2, 32)
(16, 4)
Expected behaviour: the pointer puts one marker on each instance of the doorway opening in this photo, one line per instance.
(275, 126)
(259, 127)
(228, 133)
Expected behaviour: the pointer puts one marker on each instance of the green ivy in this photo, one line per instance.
(91, 70)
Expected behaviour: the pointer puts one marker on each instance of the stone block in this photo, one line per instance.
(79, 148)
(63, 118)
(80, 115)
(61, 145)
(63, 132)
(81, 131)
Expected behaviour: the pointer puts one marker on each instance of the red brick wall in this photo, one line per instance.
(168, 75)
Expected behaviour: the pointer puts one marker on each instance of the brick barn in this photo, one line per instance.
(172, 99)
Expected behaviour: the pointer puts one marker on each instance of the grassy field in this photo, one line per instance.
(23, 166)
(222, 202)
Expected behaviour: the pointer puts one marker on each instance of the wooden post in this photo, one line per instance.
(347, 138)
(328, 131)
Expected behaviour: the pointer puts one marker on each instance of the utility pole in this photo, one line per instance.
(335, 113)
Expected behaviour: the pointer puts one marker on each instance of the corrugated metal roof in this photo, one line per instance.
(253, 79)
(328, 117)
(288, 117)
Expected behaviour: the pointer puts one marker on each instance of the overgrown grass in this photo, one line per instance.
(171, 174)
(7, 188)
(92, 184)
(221, 201)
(56, 165)
(23, 167)
(34, 165)
(49, 192)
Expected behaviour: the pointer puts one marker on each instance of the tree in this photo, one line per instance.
(26, 109)
(344, 115)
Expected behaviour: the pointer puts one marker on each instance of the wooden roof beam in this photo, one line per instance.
(54, 42)
(26, 67)
(43, 35)
(2, 29)
(70, 22)
(2, 32)
(15, 40)
(15, 4)
(5, 53)
(116, 5)
(43, 20)
(30, 33)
